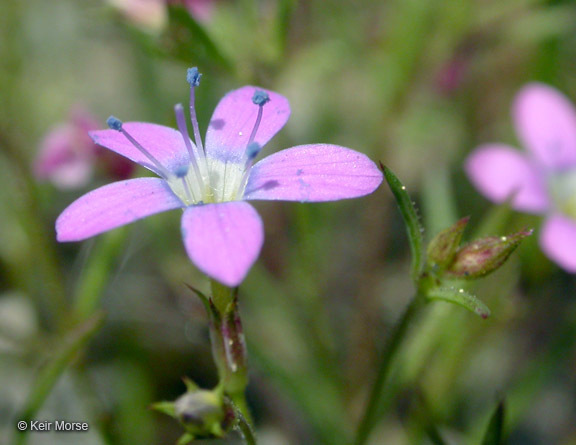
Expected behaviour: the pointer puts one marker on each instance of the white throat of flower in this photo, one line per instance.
(205, 179)
(562, 188)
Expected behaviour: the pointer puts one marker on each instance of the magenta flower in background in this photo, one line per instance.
(543, 179)
(201, 10)
(147, 14)
(66, 154)
(222, 233)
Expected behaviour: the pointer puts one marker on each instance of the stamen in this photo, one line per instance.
(187, 189)
(182, 173)
(193, 78)
(116, 124)
(251, 152)
(260, 98)
(183, 128)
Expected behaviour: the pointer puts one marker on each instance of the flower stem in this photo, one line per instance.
(244, 426)
(228, 345)
(371, 414)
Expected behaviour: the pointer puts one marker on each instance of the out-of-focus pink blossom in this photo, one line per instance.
(201, 10)
(148, 14)
(542, 179)
(68, 156)
(67, 153)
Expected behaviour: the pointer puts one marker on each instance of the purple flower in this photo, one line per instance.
(542, 180)
(222, 233)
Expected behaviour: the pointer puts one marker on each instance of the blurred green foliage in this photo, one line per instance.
(415, 84)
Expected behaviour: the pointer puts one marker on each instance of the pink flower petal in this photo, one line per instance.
(234, 119)
(499, 172)
(114, 205)
(546, 124)
(223, 239)
(317, 172)
(558, 241)
(164, 143)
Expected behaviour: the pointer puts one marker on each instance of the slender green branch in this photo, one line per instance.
(372, 412)
(94, 278)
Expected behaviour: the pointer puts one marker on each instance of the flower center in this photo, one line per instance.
(211, 179)
(206, 179)
(563, 191)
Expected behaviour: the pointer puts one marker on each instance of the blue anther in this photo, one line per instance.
(181, 171)
(260, 97)
(253, 150)
(114, 123)
(193, 77)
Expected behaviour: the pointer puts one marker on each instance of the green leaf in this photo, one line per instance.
(50, 373)
(495, 432)
(461, 298)
(205, 300)
(283, 16)
(410, 216)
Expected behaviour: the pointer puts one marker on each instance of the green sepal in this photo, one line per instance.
(443, 247)
(460, 297)
(185, 439)
(165, 408)
(411, 220)
(190, 385)
(483, 256)
(495, 431)
(205, 300)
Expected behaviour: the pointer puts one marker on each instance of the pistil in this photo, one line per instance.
(192, 152)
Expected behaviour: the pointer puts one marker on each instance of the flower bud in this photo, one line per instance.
(201, 412)
(484, 255)
(443, 247)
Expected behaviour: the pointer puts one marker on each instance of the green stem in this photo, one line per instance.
(222, 296)
(372, 412)
(244, 425)
(51, 373)
(228, 345)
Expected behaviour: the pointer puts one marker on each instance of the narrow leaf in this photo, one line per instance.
(495, 431)
(461, 298)
(187, 40)
(49, 374)
(205, 300)
(410, 216)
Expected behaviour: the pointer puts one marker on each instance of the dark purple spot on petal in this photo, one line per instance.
(217, 124)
